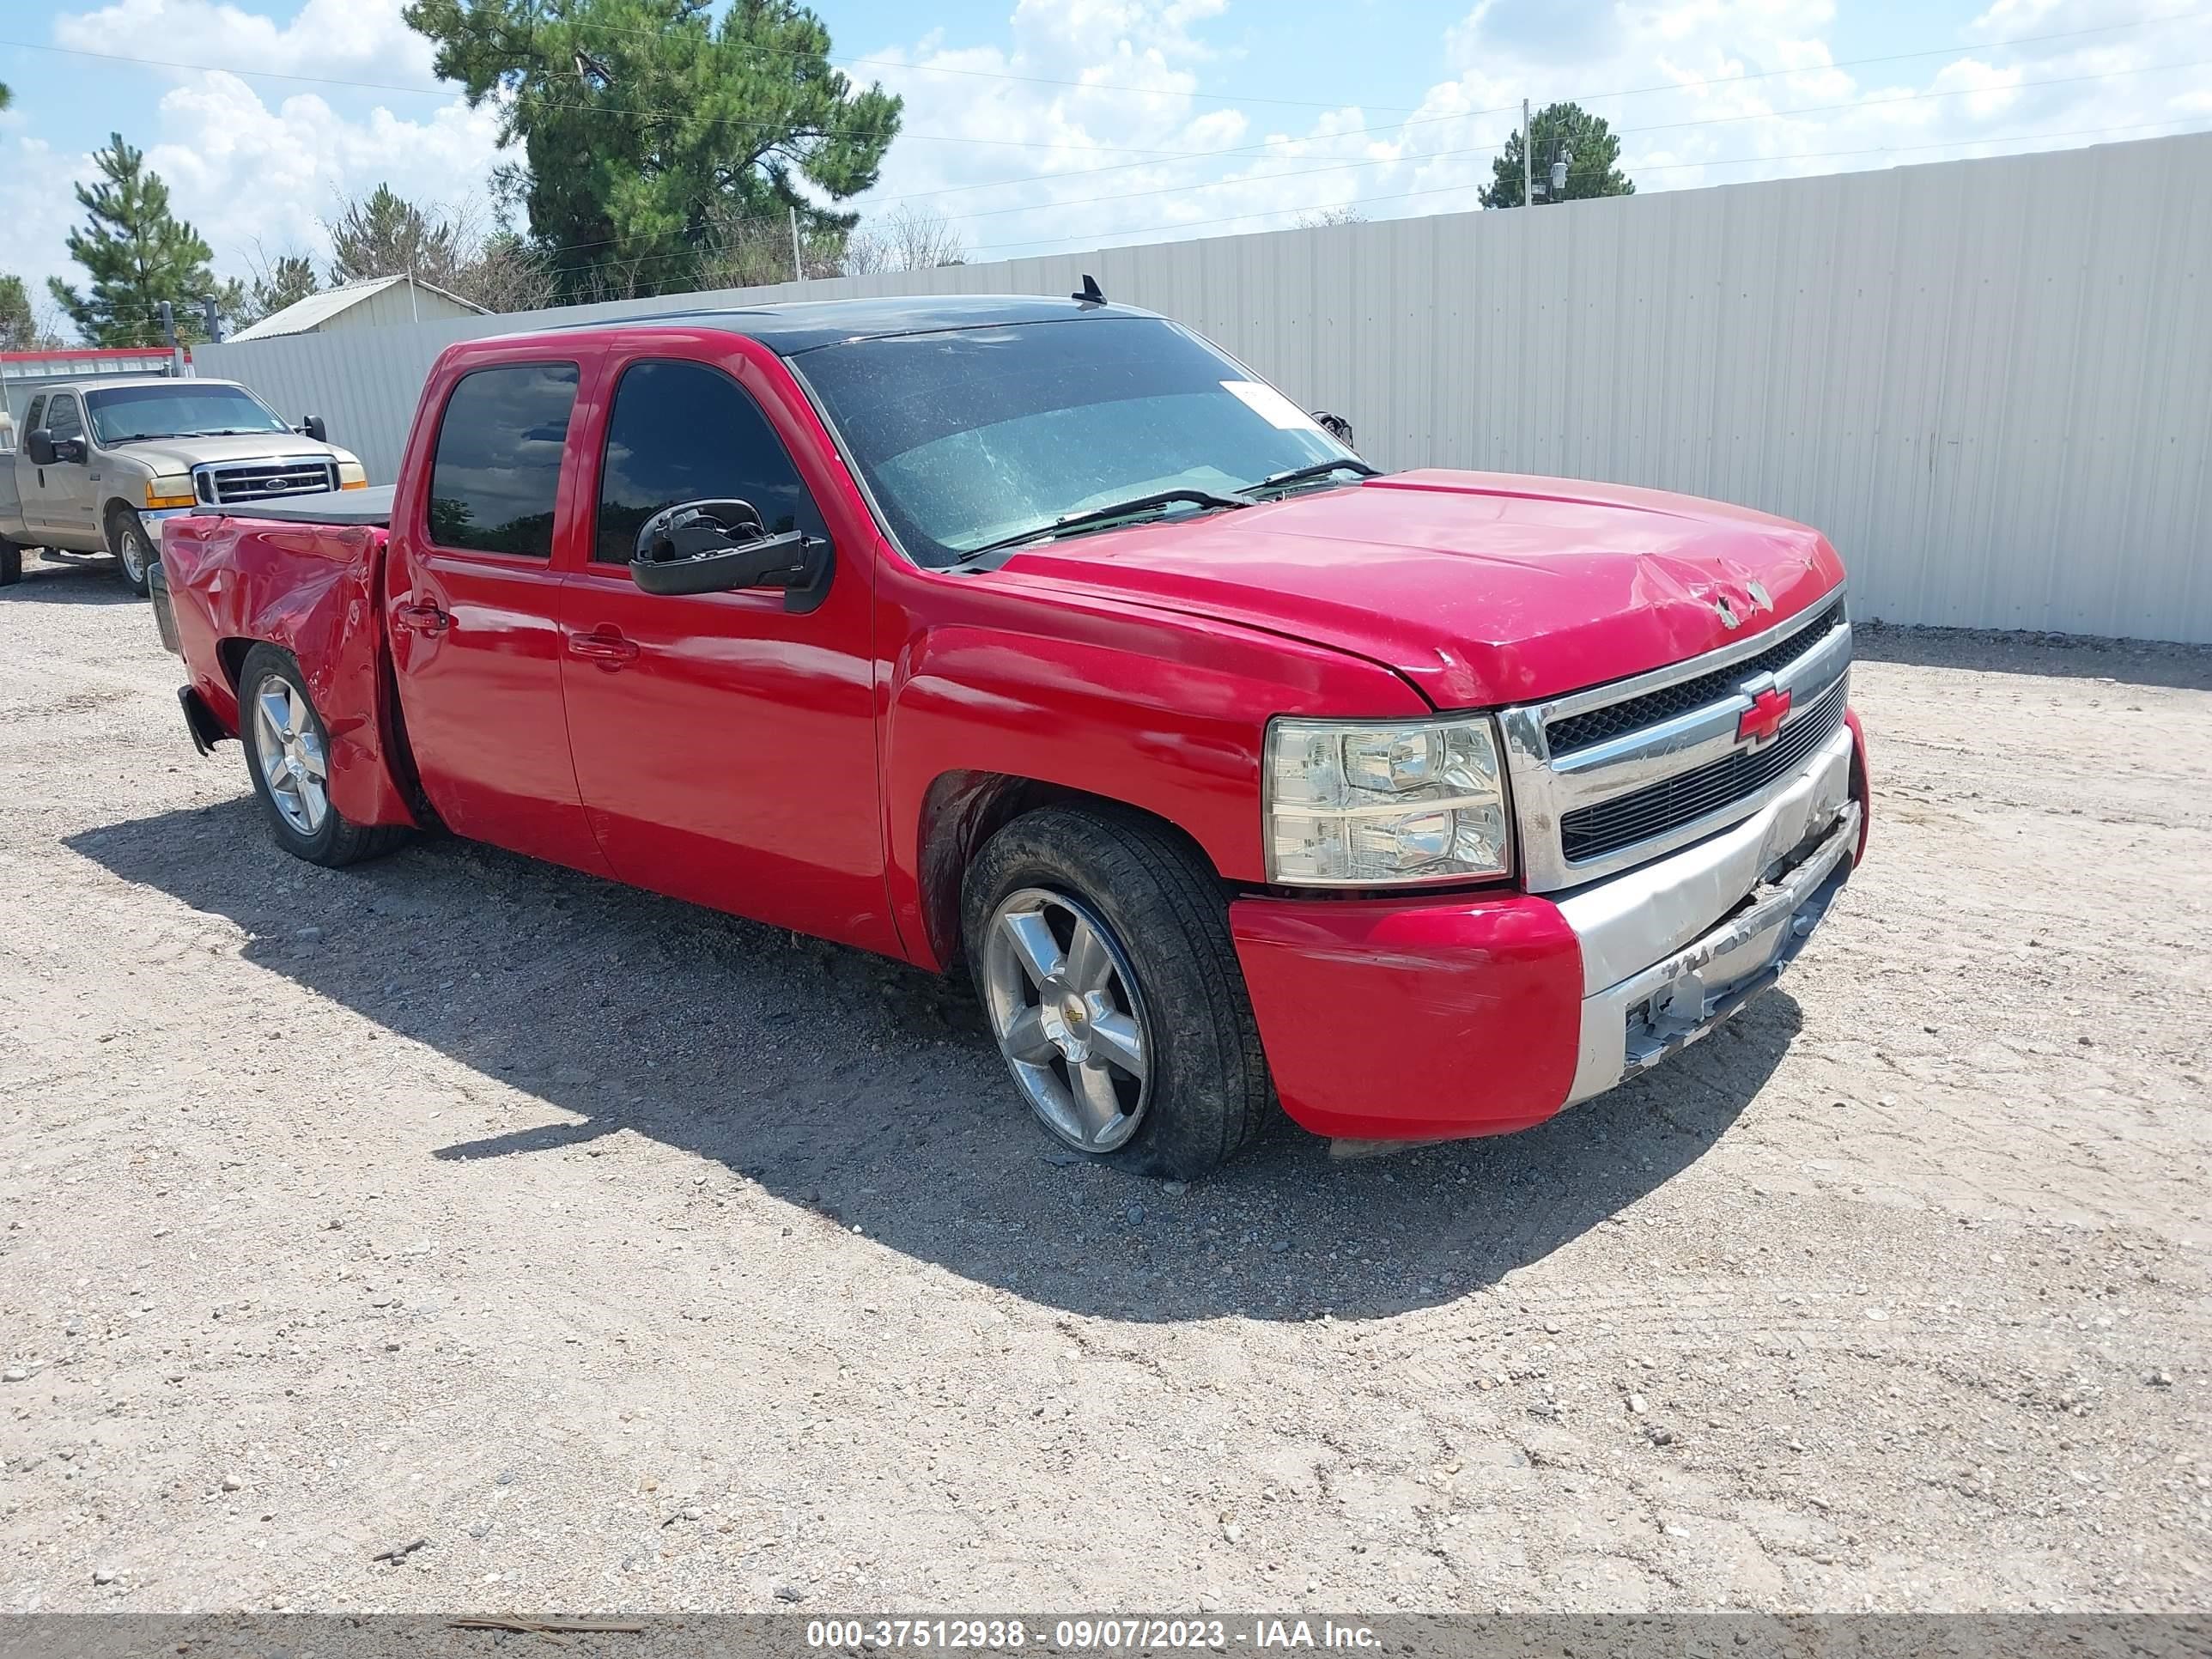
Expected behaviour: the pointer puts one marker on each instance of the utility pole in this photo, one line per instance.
(1526, 200)
(798, 268)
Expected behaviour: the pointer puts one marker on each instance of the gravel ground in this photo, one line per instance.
(458, 1232)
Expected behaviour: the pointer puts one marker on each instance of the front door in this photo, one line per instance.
(471, 600)
(724, 744)
(61, 503)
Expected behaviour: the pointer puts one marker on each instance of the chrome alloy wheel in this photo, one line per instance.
(291, 752)
(132, 550)
(1063, 1004)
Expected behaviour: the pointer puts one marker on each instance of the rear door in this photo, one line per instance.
(473, 597)
(725, 742)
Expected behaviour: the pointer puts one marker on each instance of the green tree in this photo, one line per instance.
(19, 329)
(137, 254)
(1562, 129)
(6, 96)
(385, 235)
(285, 281)
(650, 126)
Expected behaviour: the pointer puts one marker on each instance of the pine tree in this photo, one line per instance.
(137, 254)
(1564, 132)
(653, 127)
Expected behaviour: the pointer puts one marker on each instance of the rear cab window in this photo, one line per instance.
(496, 474)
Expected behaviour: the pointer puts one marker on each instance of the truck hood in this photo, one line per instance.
(1480, 588)
(182, 454)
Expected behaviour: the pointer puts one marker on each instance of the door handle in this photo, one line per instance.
(605, 646)
(423, 619)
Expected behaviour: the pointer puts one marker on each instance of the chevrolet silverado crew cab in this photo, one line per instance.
(1044, 641)
(102, 464)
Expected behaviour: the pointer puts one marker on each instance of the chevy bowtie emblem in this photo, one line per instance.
(1764, 717)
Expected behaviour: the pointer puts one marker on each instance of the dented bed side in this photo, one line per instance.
(314, 590)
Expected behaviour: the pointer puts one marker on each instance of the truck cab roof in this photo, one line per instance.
(802, 325)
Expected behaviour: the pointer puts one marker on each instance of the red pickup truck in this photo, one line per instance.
(1043, 641)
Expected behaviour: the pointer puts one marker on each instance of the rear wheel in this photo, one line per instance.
(288, 754)
(1099, 940)
(11, 563)
(133, 548)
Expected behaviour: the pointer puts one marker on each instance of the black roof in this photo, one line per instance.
(803, 325)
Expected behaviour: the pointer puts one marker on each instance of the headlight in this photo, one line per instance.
(1376, 806)
(352, 474)
(172, 490)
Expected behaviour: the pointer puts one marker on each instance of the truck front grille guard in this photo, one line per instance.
(1611, 777)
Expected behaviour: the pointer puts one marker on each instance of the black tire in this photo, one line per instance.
(336, 841)
(1166, 917)
(124, 522)
(11, 563)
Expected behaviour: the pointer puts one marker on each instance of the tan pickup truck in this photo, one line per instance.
(100, 465)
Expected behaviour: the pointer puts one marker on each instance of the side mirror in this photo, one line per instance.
(720, 546)
(70, 449)
(39, 447)
(314, 428)
(1336, 425)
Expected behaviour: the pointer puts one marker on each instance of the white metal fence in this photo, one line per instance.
(1989, 382)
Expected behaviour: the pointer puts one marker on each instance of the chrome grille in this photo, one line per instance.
(1591, 832)
(242, 482)
(1577, 731)
(1610, 777)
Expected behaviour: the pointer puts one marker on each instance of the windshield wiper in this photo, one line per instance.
(1096, 516)
(1298, 475)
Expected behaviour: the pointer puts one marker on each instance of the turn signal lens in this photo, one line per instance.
(174, 489)
(352, 474)
(1366, 805)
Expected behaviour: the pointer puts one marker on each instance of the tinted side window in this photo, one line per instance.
(684, 432)
(31, 415)
(62, 420)
(497, 470)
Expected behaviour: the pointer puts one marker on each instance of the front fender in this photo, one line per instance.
(1160, 712)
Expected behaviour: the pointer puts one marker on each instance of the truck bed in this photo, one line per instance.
(313, 590)
(354, 509)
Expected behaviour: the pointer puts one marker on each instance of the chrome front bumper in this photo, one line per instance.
(1674, 947)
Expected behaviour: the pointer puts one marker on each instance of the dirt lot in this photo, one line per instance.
(589, 1251)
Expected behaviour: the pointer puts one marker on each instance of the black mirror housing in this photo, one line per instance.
(1336, 426)
(315, 428)
(39, 447)
(720, 546)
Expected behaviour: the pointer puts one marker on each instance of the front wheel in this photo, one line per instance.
(287, 753)
(133, 548)
(1099, 940)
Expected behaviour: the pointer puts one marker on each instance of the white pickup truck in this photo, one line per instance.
(99, 464)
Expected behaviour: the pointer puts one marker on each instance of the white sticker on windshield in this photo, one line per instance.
(1271, 405)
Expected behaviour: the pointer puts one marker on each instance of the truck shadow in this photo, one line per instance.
(869, 1093)
(71, 579)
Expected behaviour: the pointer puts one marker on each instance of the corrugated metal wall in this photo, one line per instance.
(1990, 381)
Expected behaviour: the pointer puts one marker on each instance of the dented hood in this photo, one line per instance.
(1480, 589)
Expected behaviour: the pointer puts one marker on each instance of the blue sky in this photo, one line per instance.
(1191, 117)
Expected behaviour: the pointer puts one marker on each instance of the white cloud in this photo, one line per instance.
(1719, 91)
(257, 166)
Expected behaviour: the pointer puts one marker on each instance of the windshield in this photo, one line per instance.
(176, 409)
(972, 436)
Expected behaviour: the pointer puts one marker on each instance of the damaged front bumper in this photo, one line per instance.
(1648, 990)
(1398, 1020)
